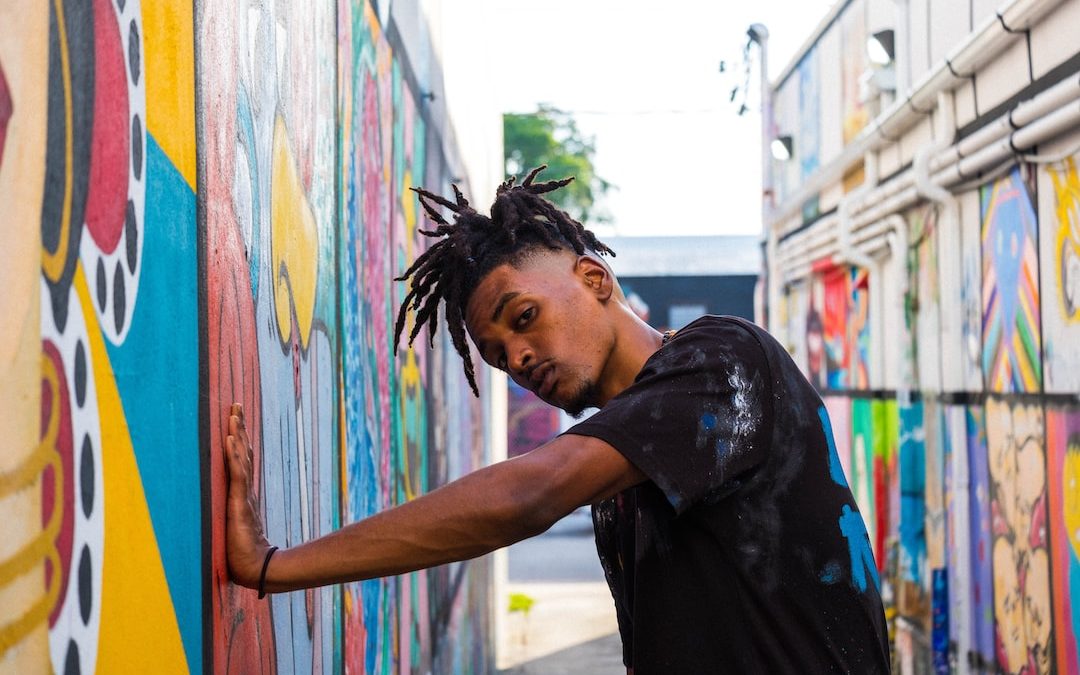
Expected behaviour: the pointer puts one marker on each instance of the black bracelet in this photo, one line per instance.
(262, 575)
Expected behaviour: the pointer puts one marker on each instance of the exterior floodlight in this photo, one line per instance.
(881, 47)
(781, 148)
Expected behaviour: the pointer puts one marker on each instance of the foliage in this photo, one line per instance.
(519, 602)
(550, 136)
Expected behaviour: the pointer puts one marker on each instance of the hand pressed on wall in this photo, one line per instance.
(245, 539)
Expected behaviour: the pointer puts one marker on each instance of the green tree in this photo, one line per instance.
(550, 136)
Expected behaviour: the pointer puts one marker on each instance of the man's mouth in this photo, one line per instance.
(543, 379)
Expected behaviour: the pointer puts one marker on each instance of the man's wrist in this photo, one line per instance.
(265, 568)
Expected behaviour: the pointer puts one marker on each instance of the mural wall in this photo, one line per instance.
(208, 203)
(975, 490)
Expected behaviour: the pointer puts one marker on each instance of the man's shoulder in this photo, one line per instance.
(724, 337)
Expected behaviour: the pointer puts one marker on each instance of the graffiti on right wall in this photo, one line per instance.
(1060, 235)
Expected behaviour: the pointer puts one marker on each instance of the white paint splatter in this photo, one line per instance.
(744, 403)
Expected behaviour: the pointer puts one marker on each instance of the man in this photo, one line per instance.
(725, 527)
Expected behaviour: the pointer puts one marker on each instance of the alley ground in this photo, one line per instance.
(570, 627)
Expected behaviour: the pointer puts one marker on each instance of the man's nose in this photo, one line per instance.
(521, 357)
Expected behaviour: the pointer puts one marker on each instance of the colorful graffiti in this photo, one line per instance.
(138, 307)
(410, 423)
(115, 303)
(809, 146)
(835, 326)
(858, 323)
(267, 205)
(922, 303)
(912, 524)
(1022, 612)
(980, 541)
(1011, 334)
(24, 65)
(1063, 491)
(1060, 241)
(864, 465)
(855, 114)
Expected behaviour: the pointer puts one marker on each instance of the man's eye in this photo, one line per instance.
(525, 317)
(500, 363)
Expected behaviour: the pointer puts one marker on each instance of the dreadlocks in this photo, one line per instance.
(474, 244)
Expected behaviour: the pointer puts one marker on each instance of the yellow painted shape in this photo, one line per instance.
(139, 632)
(24, 54)
(1067, 241)
(169, 57)
(1070, 488)
(294, 241)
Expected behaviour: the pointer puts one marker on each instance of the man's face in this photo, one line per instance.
(544, 324)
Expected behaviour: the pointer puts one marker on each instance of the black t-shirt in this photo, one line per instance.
(745, 551)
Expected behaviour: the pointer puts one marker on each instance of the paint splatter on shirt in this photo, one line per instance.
(744, 552)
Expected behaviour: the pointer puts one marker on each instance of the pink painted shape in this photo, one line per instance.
(110, 148)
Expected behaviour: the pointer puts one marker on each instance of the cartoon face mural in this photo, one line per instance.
(1022, 613)
(1012, 341)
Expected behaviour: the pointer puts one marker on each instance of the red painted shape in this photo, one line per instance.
(110, 150)
(6, 108)
(58, 403)
(243, 634)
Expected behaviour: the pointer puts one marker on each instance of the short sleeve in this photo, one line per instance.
(698, 415)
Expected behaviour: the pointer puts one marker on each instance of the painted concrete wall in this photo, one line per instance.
(956, 396)
(206, 203)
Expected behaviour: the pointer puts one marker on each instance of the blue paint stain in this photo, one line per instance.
(832, 573)
(862, 557)
(836, 470)
(159, 361)
(708, 421)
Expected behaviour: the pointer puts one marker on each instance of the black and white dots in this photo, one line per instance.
(73, 634)
(115, 273)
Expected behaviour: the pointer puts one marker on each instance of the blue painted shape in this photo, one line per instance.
(246, 134)
(708, 421)
(912, 464)
(157, 374)
(1074, 586)
(862, 557)
(836, 469)
(831, 574)
(939, 603)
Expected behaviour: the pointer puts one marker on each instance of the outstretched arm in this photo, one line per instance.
(478, 513)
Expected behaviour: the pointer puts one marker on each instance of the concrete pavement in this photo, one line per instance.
(570, 628)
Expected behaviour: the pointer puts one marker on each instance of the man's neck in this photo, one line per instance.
(635, 342)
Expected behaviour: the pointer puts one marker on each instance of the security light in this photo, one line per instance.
(782, 148)
(880, 47)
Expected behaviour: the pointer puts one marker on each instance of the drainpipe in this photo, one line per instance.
(848, 254)
(950, 277)
(948, 243)
(897, 240)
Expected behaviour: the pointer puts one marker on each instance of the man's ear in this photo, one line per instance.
(596, 276)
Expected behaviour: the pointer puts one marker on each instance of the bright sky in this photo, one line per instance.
(643, 79)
